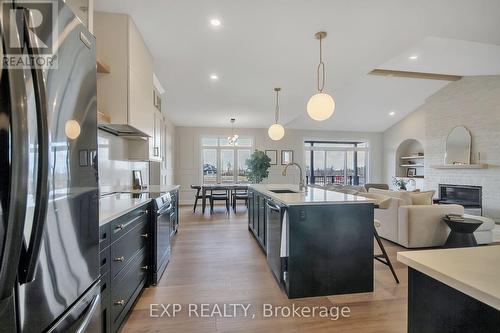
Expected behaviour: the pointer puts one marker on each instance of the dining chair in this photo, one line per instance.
(239, 193)
(221, 194)
(198, 195)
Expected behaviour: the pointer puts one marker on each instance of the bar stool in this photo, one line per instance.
(383, 258)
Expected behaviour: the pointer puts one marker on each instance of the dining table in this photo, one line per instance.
(219, 187)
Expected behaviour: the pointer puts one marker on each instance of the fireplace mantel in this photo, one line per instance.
(460, 166)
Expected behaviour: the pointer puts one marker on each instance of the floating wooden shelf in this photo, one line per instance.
(460, 166)
(102, 67)
(412, 165)
(415, 157)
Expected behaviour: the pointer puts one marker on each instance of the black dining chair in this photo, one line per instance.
(198, 195)
(239, 193)
(219, 195)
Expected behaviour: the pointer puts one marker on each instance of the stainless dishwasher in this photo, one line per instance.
(274, 214)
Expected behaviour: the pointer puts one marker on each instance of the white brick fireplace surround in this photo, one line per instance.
(473, 102)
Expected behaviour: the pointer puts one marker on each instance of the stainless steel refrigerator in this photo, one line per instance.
(49, 259)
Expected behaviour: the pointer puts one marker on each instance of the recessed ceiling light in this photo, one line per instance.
(214, 77)
(414, 57)
(392, 113)
(215, 22)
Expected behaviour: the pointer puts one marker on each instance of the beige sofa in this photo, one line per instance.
(411, 220)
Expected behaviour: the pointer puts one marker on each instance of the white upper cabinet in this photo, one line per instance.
(126, 93)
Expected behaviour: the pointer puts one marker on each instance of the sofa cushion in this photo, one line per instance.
(403, 195)
(383, 201)
(422, 198)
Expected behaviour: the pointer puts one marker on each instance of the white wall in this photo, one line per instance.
(411, 127)
(473, 102)
(115, 172)
(188, 154)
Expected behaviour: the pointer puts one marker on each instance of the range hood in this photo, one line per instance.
(124, 131)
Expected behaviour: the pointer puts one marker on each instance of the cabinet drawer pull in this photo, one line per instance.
(145, 235)
(119, 259)
(120, 302)
(144, 268)
(120, 227)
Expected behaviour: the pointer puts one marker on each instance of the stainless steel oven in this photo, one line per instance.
(162, 228)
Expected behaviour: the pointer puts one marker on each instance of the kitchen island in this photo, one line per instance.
(453, 290)
(317, 242)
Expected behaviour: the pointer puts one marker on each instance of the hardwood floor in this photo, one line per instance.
(216, 260)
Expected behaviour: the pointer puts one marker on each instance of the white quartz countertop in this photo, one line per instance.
(313, 196)
(475, 271)
(113, 206)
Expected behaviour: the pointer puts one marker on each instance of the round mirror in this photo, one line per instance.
(458, 146)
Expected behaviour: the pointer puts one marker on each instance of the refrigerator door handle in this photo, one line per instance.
(29, 255)
(19, 171)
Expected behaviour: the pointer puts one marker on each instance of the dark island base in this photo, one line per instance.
(435, 307)
(330, 250)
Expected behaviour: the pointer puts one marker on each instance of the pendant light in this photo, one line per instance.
(234, 137)
(321, 105)
(276, 131)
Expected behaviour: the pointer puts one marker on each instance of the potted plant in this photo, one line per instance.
(400, 183)
(258, 166)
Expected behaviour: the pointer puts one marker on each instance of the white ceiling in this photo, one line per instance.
(266, 43)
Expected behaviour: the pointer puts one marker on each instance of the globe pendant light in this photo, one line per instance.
(276, 131)
(321, 105)
(234, 137)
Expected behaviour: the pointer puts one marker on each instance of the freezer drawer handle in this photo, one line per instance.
(120, 302)
(119, 259)
(88, 317)
(145, 235)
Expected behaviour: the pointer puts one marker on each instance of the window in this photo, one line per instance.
(336, 162)
(225, 163)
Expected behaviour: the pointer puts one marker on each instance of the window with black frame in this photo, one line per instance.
(336, 162)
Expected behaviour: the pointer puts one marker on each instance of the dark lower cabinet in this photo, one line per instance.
(434, 307)
(257, 216)
(251, 199)
(124, 258)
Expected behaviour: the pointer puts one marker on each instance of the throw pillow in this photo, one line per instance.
(422, 198)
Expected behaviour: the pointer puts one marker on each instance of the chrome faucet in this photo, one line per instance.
(302, 184)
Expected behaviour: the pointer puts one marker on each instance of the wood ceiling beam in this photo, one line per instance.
(415, 75)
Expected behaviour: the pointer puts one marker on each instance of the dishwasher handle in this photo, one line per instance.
(273, 207)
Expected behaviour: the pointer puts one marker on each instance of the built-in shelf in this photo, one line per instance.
(460, 166)
(412, 165)
(102, 67)
(415, 157)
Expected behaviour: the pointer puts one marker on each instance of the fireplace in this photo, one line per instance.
(468, 196)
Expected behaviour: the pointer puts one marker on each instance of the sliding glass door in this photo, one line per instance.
(342, 163)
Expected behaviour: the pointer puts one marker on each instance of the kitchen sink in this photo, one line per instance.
(283, 191)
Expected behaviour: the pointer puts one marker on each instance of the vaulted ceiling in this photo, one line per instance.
(262, 44)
